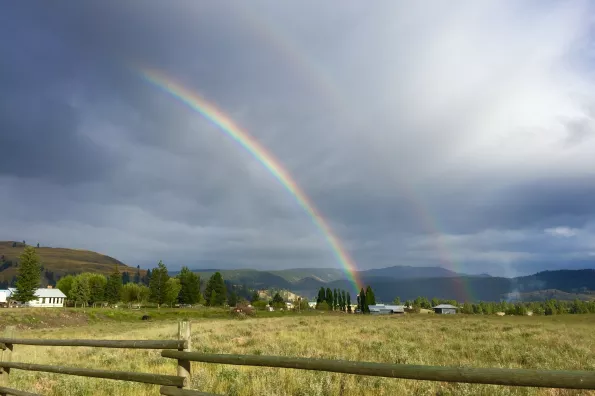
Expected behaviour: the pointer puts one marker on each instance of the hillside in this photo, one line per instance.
(59, 261)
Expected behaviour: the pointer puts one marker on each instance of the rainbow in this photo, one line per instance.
(297, 57)
(231, 129)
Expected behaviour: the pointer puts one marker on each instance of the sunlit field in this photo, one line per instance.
(562, 342)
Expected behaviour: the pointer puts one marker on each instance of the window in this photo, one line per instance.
(43, 300)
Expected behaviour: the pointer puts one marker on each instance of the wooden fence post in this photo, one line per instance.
(6, 356)
(184, 366)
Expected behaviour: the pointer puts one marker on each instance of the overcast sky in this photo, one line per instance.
(459, 134)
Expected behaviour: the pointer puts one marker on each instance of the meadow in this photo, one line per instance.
(553, 342)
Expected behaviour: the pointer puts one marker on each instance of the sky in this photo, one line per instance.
(427, 133)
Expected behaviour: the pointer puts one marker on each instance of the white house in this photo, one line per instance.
(312, 304)
(49, 297)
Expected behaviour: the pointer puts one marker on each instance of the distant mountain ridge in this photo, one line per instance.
(406, 282)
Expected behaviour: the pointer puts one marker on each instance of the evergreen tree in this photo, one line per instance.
(125, 277)
(397, 300)
(348, 302)
(158, 284)
(148, 278)
(370, 298)
(335, 299)
(343, 301)
(137, 275)
(321, 296)
(216, 285)
(213, 299)
(28, 276)
(113, 288)
(233, 299)
(190, 286)
(362, 301)
(277, 299)
(329, 297)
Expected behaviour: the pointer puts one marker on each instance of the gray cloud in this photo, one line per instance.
(426, 135)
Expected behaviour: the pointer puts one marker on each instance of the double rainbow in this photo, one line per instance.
(231, 129)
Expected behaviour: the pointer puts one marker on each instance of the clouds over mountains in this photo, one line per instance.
(459, 135)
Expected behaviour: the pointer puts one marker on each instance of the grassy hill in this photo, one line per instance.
(60, 261)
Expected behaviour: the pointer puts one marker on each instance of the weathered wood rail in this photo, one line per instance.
(493, 376)
(175, 382)
(177, 385)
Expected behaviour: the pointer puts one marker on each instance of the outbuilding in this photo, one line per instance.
(445, 309)
(382, 309)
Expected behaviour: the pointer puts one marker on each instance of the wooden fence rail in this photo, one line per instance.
(495, 376)
(15, 392)
(128, 344)
(155, 379)
(176, 382)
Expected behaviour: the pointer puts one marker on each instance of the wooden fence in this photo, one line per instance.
(177, 385)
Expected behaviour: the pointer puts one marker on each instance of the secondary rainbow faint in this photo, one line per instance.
(231, 129)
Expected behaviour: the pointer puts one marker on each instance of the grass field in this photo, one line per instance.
(558, 342)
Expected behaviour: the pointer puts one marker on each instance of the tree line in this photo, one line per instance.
(547, 307)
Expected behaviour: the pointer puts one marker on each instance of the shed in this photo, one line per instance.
(445, 309)
(382, 309)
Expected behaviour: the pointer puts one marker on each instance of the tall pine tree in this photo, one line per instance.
(362, 301)
(137, 274)
(329, 297)
(28, 276)
(348, 302)
(321, 296)
(343, 301)
(158, 284)
(113, 288)
(215, 291)
(190, 287)
(370, 298)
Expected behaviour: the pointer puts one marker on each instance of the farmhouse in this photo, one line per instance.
(445, 309)
(49, 297)
(382, 309)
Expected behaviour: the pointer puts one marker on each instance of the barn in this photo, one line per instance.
(445, 309)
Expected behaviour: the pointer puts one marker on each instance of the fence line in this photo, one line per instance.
(155, 379)
(129, 344)
(15, 392)
(167, 381)
(494, 376)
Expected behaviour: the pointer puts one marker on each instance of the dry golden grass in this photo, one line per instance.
(565, 342)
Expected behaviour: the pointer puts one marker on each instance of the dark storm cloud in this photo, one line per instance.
(425, 135)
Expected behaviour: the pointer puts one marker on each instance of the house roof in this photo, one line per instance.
(383, 307)
(445, 306)
(45, 293)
